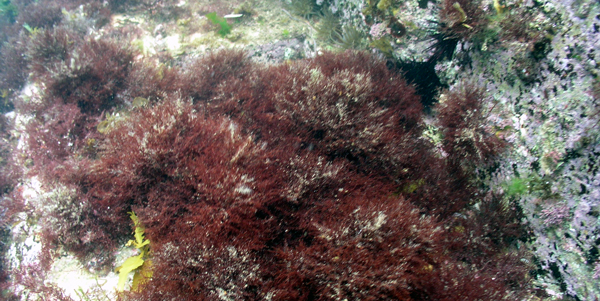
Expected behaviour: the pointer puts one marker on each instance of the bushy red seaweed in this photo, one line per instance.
(83, 78)
(462, 117)
(50, 48)
(95, 72)
(304, 181)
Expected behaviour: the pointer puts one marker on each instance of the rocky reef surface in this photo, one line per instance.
(299, 150)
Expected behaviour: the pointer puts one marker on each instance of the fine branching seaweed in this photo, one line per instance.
(280, 181)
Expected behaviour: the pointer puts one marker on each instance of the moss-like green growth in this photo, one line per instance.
(516, 187)
(541, 186)
(225, 27)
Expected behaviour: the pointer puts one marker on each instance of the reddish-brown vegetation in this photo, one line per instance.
(458, 21)
(82, 80)
(95, 72)
(304, 181)
(462, 118)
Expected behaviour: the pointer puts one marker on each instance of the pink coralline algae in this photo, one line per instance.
(378, 30)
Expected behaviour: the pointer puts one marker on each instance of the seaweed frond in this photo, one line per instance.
(140, 265)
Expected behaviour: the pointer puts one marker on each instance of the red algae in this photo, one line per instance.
(303, 181)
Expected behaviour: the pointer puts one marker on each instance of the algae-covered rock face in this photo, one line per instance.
(450, 156)
(254, 160)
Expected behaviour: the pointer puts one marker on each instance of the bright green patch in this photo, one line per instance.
(225, 27)
(517, 187)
